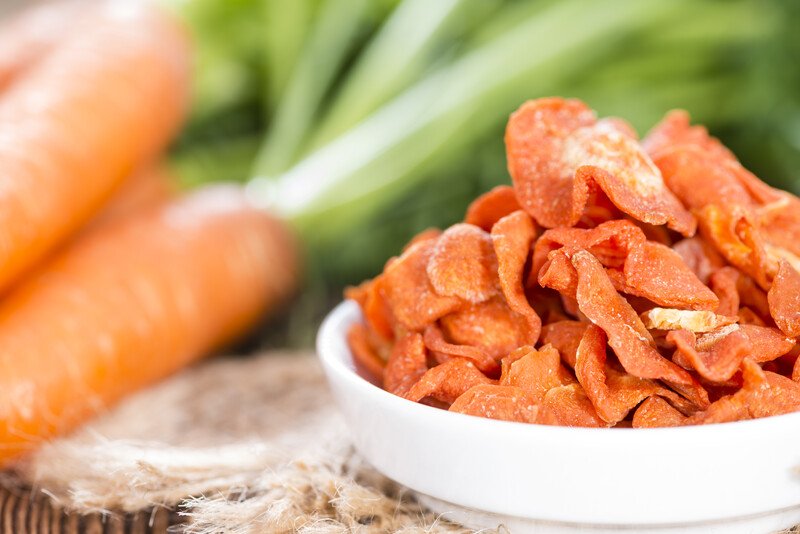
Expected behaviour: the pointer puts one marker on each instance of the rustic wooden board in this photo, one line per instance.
(23, 511)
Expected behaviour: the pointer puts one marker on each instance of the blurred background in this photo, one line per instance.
(366, 121)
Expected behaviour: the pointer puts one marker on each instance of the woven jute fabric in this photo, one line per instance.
(235, 445)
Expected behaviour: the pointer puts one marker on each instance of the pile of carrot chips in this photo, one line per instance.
(618, 283)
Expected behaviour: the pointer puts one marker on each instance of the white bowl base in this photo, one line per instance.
(476, 519)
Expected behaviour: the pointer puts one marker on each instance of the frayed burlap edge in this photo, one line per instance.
(234, 445)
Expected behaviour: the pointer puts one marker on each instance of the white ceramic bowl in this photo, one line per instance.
(735, 477)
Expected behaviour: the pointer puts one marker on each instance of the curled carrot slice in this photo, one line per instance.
(557, 150)
(719, 360)
(537, 372)
(784, 299)
(506, 403)
(512, 237)
(406, 365)
(463, 264)
(409, 294)
(492, 206)
(565, 336)
(568, 406)
(447, 382)
(491, 326)
(612, 393)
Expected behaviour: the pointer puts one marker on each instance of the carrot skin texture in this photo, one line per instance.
(132, 302)
(145, 189)
(30, 35)
(80, 122)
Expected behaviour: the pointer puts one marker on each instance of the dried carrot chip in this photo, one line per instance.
(701, 257)
(717, 361)
(366, 360)
(490, 326)
(565, 336)
(506, 403)
(443, 350)
(724, 282)
(448, 381)
(463, 264)
(655, 412)
(557, 150)
(784, 299)
(568, 406)
(610, 242)
(612, 393)
(767, 343)
(408, 291)
(406, 365)
(537, 372)
(766, 394)
(558, 273)
(371, 299)
(735, 235)
(425, 235)
(627, 336)
(658, 273)
(492, 206)
(512, 237)
(699, 178)
(675, 130)
(692, 320)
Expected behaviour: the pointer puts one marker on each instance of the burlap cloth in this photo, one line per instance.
(239, 445)
(236, 445)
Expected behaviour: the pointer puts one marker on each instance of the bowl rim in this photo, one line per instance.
(332, 343)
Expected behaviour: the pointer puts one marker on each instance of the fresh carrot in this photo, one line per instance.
(147, 188)
(29, 36)
(132, 302)
(78, 123)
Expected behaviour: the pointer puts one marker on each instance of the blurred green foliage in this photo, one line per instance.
(366, 121)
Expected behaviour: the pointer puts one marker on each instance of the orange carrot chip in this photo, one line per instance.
(447, 382)
(490, 326)
(612, 393)
(610, 242)
(658, 273)
(557, 150)
(537, 372)
(425, 235)
(655, 412)
(558, 273)
(767, 343)
(568, 406)
(408, 291)
(512, 237)
(784, 299)
(701, 257)
(735, 235)
(443, 350)
(492, 206)
(565, 336)
(406, 365)
(718, 361)
(627, 336)
(463, 264)
(366, 360)
(506, 403)
(675, 130)
(766, 394)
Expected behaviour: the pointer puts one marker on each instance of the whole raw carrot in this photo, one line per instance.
(27, 37)
(78, 123)
(146, 188)
(132, 302)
